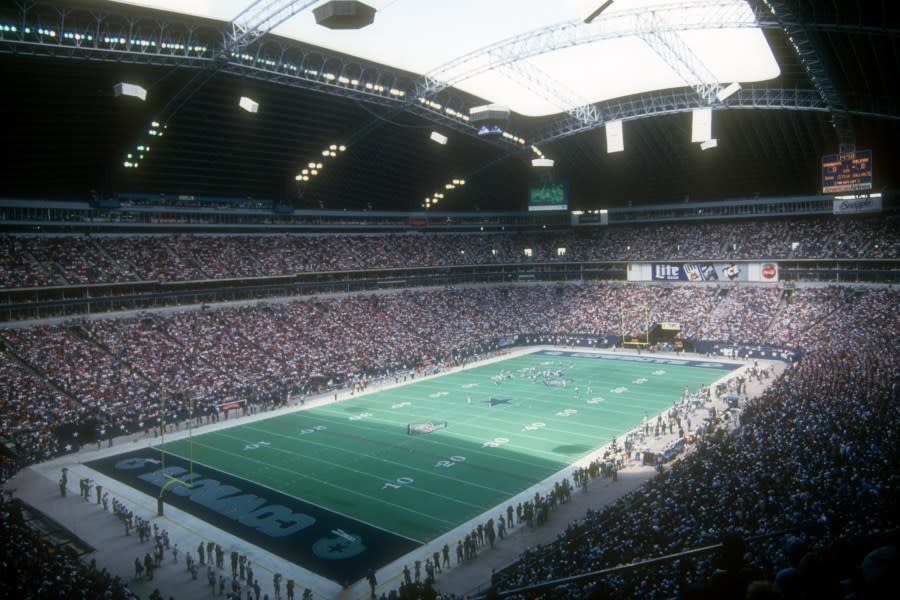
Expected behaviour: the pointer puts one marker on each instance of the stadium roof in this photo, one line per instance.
(447, 41)
(822, 78)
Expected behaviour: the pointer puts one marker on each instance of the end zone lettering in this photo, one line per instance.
(247, 509)
(334, 546)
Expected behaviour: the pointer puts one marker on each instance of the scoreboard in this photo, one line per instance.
(548, 196)
(847, 172)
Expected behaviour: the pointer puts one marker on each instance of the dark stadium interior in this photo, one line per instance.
(70, 133)
(209, 283)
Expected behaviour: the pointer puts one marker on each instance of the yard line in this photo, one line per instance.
(431, 473)
(473, 423)
(324, 508)
(360, 425)
(327, 484)
(592, 426)
(332, 448)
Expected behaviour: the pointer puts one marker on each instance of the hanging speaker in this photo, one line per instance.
(344, 14)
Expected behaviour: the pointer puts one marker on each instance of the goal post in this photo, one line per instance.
(170, 480)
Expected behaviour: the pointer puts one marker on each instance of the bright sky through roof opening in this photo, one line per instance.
(589, 63)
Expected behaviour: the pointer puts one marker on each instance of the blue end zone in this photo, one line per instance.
(334, 546)
(650, 360)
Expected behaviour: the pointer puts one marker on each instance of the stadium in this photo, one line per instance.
(410, 299)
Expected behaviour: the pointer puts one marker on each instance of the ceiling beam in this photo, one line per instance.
(679, 101)
(282, 64)
(258, 19)
(709, 15)
(816, 65)
(678, 56)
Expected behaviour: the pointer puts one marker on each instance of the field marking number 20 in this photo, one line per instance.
(450, 462)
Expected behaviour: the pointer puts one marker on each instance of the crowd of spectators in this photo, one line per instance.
(769, 239)
(742, 316)
(812, 456)
(151, 259)
(802, 308)
(818, 441)
(34, 567)
(91, 375)
(817, 448)
(18, 267)
(50, 260)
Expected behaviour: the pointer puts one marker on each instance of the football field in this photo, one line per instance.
(415, 461)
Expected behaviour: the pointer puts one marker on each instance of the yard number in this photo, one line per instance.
(398, 483)
(495, 443)
(254, 446)
(312, 430)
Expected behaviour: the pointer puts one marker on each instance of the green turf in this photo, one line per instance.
(355, 457)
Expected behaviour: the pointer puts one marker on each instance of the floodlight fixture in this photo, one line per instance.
(489, 112)
(728, 91)
(542, 162)
(130, 89)
(248, 104)
(439, 138)
(701, 129)
(615, 138)
(490, 131)
(709, 144)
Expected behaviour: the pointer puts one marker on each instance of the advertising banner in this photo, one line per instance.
(855, 206)
(708, 271)
(762, 271)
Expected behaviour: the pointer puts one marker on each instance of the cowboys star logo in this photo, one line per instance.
(338, 546)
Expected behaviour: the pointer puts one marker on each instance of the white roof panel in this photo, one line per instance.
(424, 36)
